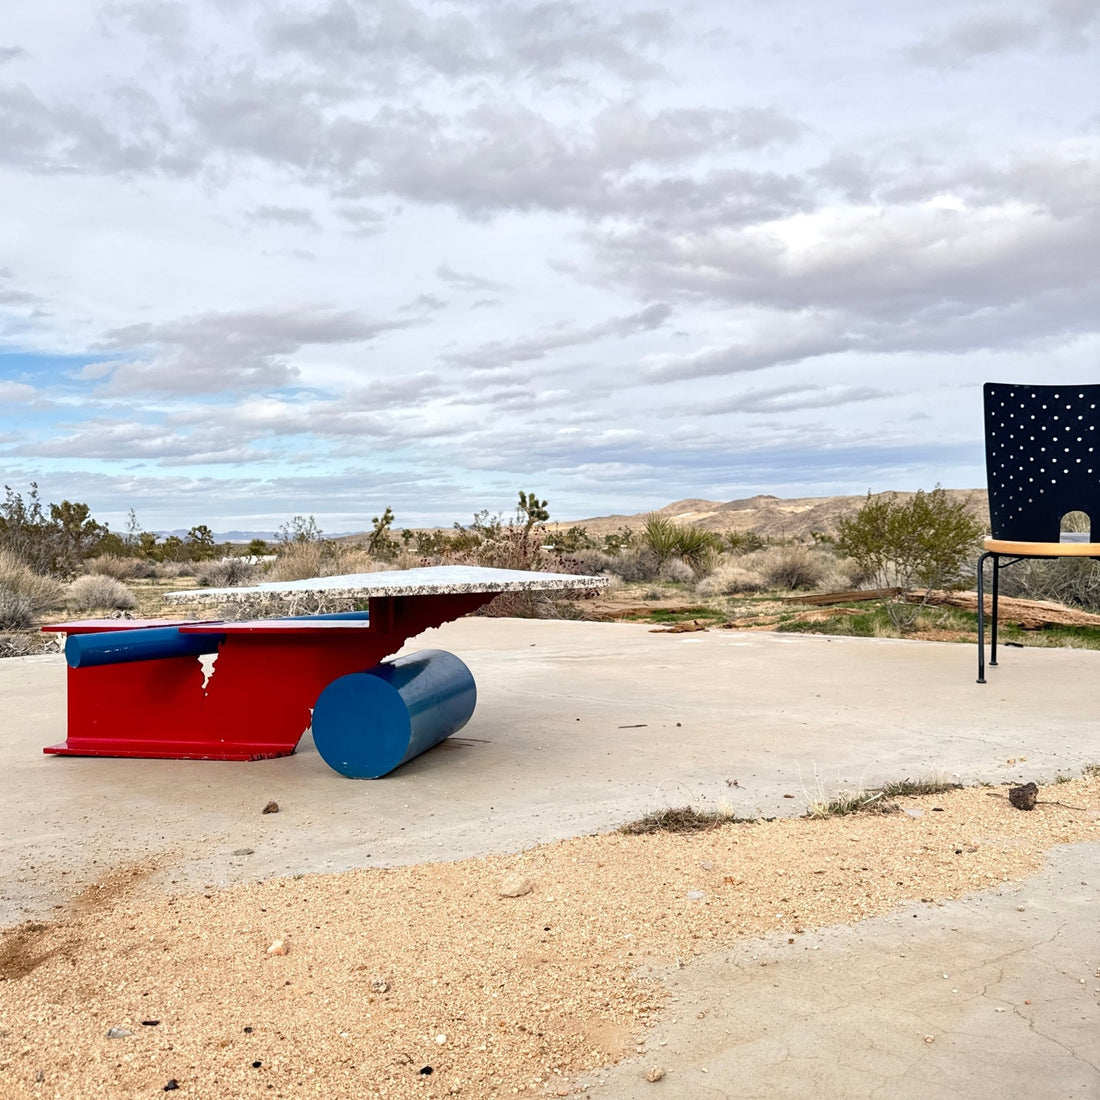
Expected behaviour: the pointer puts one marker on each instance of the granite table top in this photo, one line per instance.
(430, 581)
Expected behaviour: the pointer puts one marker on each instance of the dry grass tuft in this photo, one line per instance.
(32, 592)
(901, 788)
(856, 802)
(683, 819)
(96, 592)
(113, 565)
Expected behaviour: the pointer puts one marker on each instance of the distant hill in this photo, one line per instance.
(767, 516)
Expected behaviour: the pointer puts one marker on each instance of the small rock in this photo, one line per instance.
(912, 811)
(655, 1074)
(119, 1033)
(1025, 797)
(707, 864)
(930, 1038)
(248, 851)
(277, 948)
(441, 1039)
(271, 808)
(426, 1071)
(172, 1085)
(515, 886)
(695, 895)
(39, 1078)
(379, 985)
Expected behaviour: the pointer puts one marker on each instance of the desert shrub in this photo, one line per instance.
(790, 567)
(619, 540)
(226, 573)
(570, 541)
(112, 565)
(666, 539)
(925, 542)
(678, 571)
(729, 578)
(507, 547)
(342, 558)
(172, 570)
(299, 560)
(94, 591)
(51, 538)
(16, 610)
(635, 564)
(589, 562)
(296, 561)
(742, 542)
(660, 536)
(42, 592)
(1071, 581)
(22, 644)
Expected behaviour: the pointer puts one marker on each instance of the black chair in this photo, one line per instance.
(1042, 456)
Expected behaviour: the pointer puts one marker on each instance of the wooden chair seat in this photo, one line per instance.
(1065, 549)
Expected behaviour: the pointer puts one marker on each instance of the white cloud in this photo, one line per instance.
(269, 256)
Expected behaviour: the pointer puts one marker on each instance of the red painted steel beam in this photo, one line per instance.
(257, 701)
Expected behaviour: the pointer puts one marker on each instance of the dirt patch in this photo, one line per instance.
(390, 972)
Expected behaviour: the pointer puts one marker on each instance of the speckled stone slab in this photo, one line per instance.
(436, 580)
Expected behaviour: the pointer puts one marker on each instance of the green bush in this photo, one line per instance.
(923, 543)
(691, 544)
(742, 542)
(569, 542)
(51, 539)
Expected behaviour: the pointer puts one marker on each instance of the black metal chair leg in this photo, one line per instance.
(993, 616)
(981, 616)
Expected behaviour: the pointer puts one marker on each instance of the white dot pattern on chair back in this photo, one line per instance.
(1042, 453)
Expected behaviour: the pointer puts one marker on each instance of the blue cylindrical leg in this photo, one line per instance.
(368, 723)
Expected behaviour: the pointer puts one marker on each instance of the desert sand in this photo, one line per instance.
(482, 978)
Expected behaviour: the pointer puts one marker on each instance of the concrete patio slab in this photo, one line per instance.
(581, 726)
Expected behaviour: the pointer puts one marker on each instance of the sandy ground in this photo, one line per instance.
(428, 981)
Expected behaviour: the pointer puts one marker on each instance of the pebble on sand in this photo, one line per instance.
(515, 886)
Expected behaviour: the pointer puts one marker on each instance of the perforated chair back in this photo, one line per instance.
(1042, 456)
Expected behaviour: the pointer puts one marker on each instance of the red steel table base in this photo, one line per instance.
(257, 701)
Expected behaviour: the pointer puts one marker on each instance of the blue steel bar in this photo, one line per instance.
(116, 647)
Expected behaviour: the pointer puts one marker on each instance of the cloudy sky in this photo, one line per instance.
(271, 257)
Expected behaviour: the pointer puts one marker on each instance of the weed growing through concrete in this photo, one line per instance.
(683, 819)
(902, 787)
(1091, 770)
(857, 802)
